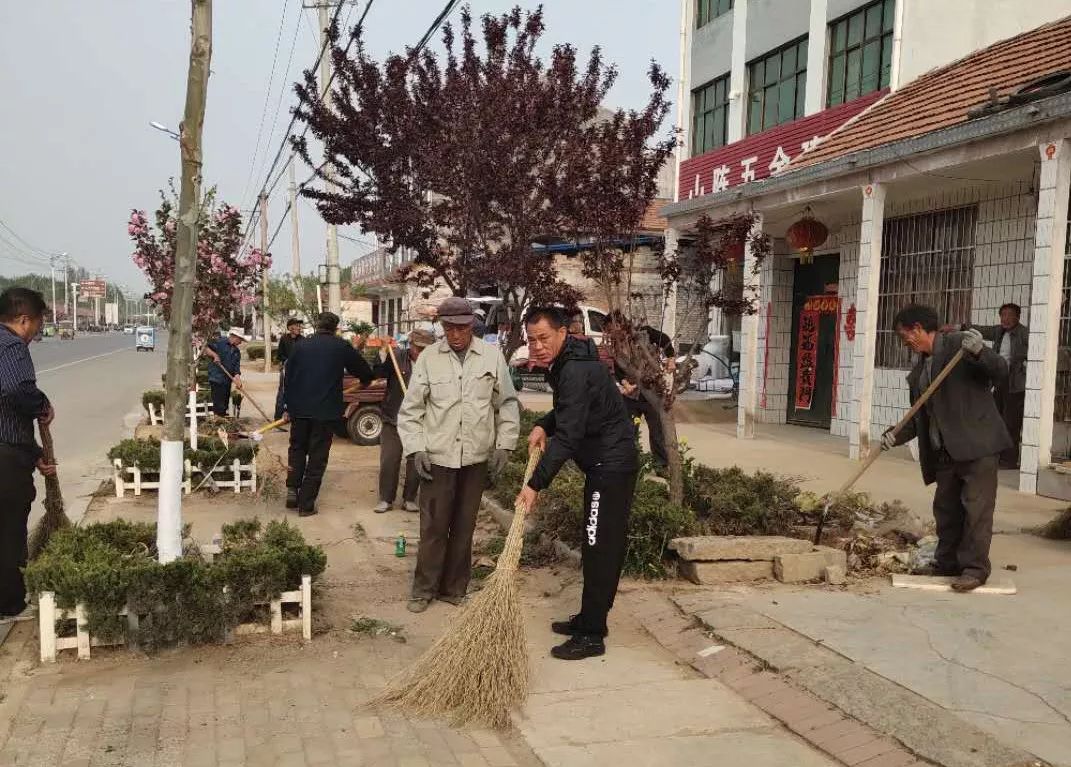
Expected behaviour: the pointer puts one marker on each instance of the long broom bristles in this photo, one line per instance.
(1058, 528)
(477, 671)
(54, 518)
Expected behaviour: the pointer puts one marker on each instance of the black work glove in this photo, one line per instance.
(422, 464)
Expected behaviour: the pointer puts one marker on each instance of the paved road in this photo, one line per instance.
(94, 382)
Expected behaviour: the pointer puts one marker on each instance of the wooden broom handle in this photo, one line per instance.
(245, 395)
(46, 444)
(911, 413)
(397, 369)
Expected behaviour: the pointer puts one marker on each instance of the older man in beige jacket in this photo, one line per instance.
(459, 420)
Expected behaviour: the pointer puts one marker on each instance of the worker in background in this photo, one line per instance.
(960, 434)
(295, 332)
(226, 355)
(479, 327)
(314, 407)
(390, 444)
(22, 314)
(638, 406)
(460, 421)
(590, 425)
(1011, 340)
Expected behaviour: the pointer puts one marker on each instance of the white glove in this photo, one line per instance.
(888, 440)
(973, 342)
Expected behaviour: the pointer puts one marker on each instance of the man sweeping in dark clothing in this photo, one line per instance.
(22, 313)
(390, 444)
(314, 407)
(590, 425)
(294, 334)
(226, 356)
(960, 436)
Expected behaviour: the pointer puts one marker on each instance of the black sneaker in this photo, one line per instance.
(566, 628)
(291, 498)
(578, 647)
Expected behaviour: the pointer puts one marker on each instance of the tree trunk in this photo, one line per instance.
(180, 326)
(674, 465)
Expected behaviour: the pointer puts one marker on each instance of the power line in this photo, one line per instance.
(33, 252)
(267, 95)
(450, 5)
(289, 127)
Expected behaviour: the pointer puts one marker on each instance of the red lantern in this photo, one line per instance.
(806, 235)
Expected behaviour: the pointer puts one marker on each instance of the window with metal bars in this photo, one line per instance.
(710, 115)
(1062, 404)
(860, 52)
(925, 259)
(708, 10)
(777, 86)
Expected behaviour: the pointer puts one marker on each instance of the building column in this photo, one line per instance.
(866, 320)
(1050, 246)
(738, 74)
(815, 100)
(749, 341)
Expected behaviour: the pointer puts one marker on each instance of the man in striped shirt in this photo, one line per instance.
(22, 313)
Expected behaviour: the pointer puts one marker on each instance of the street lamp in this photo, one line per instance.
(164, 129)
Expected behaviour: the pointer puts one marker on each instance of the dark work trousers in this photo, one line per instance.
(1011, 410)
(607, 504)
(279, 394)
(963, 506)
(390, 464)
(641, 408)
(221, 398)
(310, 445)
(17, 492)
(448, 506)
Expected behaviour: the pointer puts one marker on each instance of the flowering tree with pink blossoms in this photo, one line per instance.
(226, 278)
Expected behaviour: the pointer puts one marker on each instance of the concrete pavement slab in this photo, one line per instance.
(750, 749)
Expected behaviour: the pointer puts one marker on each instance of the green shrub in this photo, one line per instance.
(254, 350)
(153, 397)
(111, 565)
(730, 502)
(654, 522)
(145, 453)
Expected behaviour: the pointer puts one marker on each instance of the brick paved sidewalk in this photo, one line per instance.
(260, 702)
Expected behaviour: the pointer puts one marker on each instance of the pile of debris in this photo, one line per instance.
(708, 559)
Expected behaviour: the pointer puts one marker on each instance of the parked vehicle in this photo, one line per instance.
(145, 338)
(128, 330)
(363, 414)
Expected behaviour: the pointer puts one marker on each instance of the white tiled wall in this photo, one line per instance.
(775, 334)
(1003, 260)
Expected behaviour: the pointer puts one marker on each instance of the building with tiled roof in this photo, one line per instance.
(928, 141)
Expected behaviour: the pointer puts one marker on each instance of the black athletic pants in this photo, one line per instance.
(310, 445)
(607, 503)
(963, 507)
(221, 398)
(17, 492)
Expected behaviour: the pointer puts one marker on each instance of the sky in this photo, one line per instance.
(81, 81)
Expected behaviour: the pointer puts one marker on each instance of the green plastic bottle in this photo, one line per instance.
(399, 545)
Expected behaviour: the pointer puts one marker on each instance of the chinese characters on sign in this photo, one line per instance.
(764, 154)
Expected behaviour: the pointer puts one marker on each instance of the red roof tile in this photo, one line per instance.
(940, 98)
(652, 220)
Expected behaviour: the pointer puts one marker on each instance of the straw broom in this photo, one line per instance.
(54, 518)
(478, 670)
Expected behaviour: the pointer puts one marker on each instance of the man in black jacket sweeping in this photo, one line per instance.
(590, 425)
(314, 407)
(960, 436)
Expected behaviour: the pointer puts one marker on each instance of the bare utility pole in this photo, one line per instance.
(264, 280)
(334, 290)
(180, 326)
(52, 267)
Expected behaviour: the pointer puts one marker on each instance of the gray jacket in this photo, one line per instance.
(971, 426)
(1020, 341)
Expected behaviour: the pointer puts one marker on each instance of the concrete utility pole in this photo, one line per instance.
(74, 306)
(66, 286)
(295, 241)
(52, 268)
(180, 330)
(334, 290)
(264, 280)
